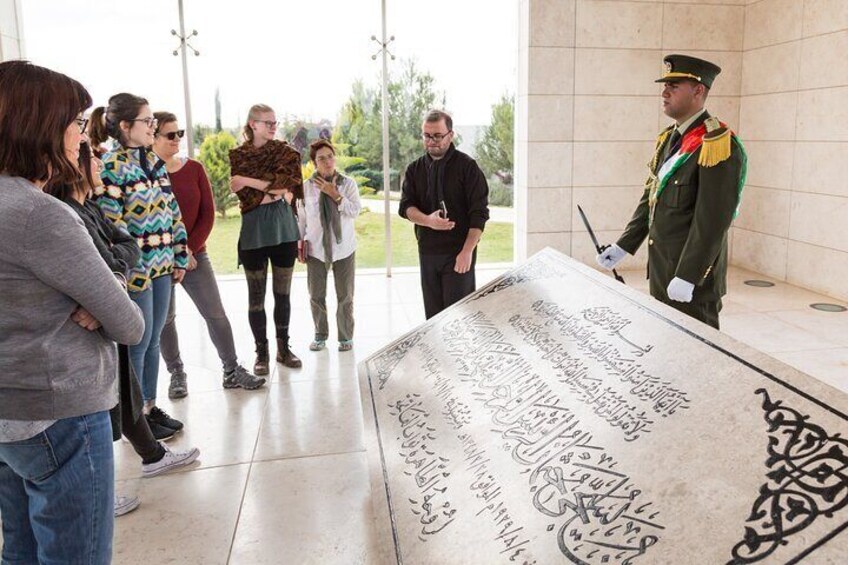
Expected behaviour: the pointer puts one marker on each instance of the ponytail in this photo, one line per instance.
(105, 122)
(97, 133)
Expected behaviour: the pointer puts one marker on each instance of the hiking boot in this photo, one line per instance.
(125, 504)
(240, 377)
(170, 461)
(261, 365)
(163, 419)
(160, 433)
(178, 387)
(285, 355)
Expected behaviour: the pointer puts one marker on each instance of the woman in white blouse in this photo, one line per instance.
(326, 216)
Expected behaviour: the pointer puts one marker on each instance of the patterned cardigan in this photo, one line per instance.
(136, 196)
(276, 162)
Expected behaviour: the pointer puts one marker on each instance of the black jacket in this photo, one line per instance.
(121, 253)
(465, 193)
(118, 248)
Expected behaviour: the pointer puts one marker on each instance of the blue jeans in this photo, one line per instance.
(145, 356)
(57, 493)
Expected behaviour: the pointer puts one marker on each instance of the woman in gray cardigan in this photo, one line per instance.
(61, 308)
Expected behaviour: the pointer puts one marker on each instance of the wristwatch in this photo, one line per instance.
(339, 199)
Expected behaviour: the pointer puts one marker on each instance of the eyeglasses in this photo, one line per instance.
(82, 122)
(172, 135)
(325, 158)
(437, 137)
(149, 122)
(268, 123)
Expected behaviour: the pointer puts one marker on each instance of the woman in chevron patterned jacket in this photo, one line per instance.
(136, 196)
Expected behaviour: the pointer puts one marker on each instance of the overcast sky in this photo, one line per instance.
(301, 57)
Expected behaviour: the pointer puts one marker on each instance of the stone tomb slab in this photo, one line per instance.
(558, 416)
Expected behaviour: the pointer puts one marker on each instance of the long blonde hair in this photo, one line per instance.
(253, 114)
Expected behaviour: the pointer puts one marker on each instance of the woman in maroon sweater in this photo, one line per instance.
(194, 196)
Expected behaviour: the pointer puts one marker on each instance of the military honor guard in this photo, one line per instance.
(692, 195)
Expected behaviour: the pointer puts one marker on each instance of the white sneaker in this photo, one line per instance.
(170, 461)
(125, 504)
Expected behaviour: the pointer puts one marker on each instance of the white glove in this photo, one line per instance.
(611, 256)
(680, 290)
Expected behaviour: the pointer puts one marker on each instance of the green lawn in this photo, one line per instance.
(496, 246)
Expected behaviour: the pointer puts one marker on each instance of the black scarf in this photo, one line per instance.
(143, 153)
(436, 178)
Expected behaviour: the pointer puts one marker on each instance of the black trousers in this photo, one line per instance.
(127, 417)
(441, 285)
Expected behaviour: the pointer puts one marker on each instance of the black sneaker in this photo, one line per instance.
(161, 417)
(241, 377)
(161, 433)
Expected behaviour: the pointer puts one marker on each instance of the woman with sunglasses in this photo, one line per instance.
(194, 196)
(61, 309)
(267, 179)
(136, 196)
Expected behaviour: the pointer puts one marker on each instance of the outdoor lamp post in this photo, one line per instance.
(182, 49)
(384, 49)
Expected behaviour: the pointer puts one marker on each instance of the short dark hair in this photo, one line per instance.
(163, 118)
(105, 122)
(37, 105)
(433, 115)
(317, 146)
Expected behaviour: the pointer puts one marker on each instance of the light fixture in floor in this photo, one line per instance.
(825, 307)
(759, 283)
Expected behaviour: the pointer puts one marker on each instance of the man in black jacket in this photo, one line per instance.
(446, 196)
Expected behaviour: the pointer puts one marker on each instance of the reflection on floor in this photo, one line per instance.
(283, 475)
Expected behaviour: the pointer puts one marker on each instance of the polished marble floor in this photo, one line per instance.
(283, 474)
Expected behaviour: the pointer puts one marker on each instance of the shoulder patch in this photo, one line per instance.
(712, 124)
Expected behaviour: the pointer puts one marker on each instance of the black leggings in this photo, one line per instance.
(255, 263)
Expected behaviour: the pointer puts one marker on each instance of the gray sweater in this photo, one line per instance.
(50, 367)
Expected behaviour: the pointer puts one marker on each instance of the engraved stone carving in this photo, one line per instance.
(557, 416)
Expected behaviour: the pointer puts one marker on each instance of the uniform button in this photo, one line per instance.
(676, 182)
(650, 242)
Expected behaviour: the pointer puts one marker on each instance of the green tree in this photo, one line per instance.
(218, 127)
(359, 126)
(409, 98)
(215, 156)
(200, 133)
(495, 146)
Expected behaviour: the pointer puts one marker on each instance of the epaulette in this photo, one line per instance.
(663, 135)
(716, 145)
(661, 138)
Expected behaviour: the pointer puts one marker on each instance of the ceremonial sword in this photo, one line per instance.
(598, 246)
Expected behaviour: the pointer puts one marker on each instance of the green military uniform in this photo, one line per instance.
(688, 206)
